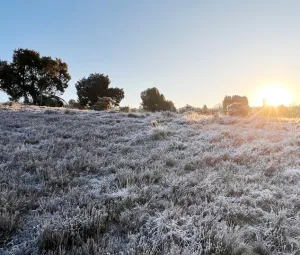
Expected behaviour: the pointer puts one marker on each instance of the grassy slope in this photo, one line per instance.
(105, 182)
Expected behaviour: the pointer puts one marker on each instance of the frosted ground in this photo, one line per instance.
(76, 182)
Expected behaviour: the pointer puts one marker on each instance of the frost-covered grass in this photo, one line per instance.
(79, 182)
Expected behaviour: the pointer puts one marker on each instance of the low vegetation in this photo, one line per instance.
(88, 182)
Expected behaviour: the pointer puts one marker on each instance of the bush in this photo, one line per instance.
(228, 100)
(74, 104)
(237, 109)
(125, 109)
(70, 112)
(158, 135)
(103, 103)
(188, 108)
(136, 115)
(80, 107)
(51, 101)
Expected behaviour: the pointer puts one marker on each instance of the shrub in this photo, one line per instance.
(170, 162)
(228, 100)
(237, 109)
(70, 112)
(189, 108)
(74, 104)
(51, 101)
(135, 115)
(103, 103)
(50, 112)
(158, 135)
(125, 109)
(80, 107)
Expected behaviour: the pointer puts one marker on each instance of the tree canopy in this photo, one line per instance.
(153, 101)
(33, 77)
(96, 86)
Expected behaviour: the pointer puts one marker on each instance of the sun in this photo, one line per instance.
(274, 95)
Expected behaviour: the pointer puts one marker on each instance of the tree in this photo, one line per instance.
(228, 100)
(153, 101)
(33, 77)
(90, 89)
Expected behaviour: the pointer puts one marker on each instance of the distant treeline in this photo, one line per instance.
(276, 111)
(41, 80)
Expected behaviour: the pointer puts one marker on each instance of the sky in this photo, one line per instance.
(195, 52)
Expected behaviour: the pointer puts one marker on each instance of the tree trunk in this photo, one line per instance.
(34, 97)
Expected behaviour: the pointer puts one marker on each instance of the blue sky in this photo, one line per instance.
(194, 52)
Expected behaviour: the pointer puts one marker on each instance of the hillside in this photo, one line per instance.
(76, 182)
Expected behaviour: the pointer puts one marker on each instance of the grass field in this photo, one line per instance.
(84, 182)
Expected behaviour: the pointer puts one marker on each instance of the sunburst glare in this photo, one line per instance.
(273, 95)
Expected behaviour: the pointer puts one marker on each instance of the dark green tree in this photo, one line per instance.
(153, 101)
(33, 77)
(96, 86)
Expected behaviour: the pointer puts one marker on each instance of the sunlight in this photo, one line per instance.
(274, 95)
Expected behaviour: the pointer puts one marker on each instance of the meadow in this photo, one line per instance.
(87, 182)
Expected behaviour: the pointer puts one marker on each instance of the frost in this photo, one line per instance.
(294, 172)
(161, 183)
(120, 193)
